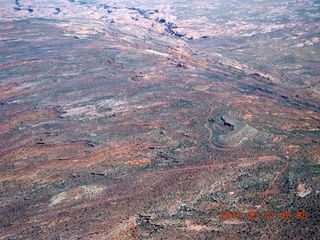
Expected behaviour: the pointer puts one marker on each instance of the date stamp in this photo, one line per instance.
(263, 215)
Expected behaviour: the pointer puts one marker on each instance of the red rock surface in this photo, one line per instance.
(109, 114)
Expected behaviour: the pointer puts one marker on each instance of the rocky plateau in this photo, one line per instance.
(144, 120)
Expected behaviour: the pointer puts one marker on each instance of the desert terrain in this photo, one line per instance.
(167, 120)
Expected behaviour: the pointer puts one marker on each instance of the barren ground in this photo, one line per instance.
(110, 114)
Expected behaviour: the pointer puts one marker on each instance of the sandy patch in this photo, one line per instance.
(157, 53)
(315, 40)
(300, 45)
(233, 221)
(200, 87)
(192, 227)
(76, 193)
(303, 190)
(138, 162)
